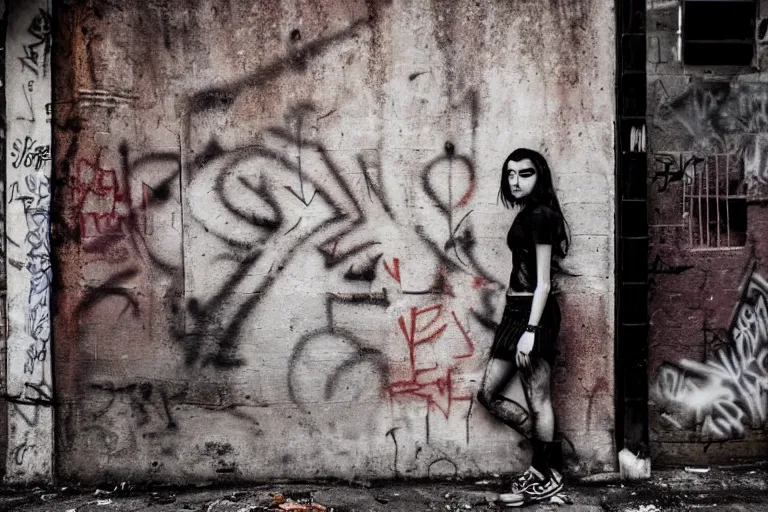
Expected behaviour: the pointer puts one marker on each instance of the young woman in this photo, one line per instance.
(525, 338)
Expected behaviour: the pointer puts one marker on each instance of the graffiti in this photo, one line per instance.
(432, 382)
(147, 403)
(19, 451)
(38, 52)
(726, 117)
(101, 199)
(674, 169)
(36, 395)
(29, 155)
(728, 394)
(256, 209)
(34, 194)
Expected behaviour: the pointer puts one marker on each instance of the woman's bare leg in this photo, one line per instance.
(538, 394)
(498, 374)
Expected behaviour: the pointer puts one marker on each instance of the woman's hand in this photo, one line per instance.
(524, 348)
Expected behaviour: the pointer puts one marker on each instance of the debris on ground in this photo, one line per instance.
(560, 499)
(648, 508)
(292, 505)
(304, 504)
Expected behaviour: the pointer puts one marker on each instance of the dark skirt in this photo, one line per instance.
(517, 311)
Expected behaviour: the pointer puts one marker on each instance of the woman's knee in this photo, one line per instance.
(485, 397)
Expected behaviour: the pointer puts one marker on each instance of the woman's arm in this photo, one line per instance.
(540, 294)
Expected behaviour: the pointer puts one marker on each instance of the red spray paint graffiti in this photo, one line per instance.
(103, 201)
(432, 381)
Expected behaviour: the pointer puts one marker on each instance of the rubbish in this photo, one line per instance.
(291, 505)
(99, 492)
(103, 502)
(560, 499)
(483, 482)
(467, 506)
(632, 467)
(648, 508)
(447, 495)
(693, 469)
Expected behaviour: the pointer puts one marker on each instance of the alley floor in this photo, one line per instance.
(700, 489)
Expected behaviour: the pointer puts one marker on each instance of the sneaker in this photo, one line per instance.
(538, 489)
(523, 480)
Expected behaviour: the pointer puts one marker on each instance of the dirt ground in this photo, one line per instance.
(716, 490)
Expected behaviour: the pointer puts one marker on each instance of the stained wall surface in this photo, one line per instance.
(28, 274)
(708, 259)
(279, 247)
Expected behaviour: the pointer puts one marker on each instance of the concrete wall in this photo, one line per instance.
(280, 249)
(28, 263)
(709, 323)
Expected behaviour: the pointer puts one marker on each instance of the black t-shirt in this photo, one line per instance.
(533, 225)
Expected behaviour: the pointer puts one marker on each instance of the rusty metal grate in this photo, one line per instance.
(715, 202)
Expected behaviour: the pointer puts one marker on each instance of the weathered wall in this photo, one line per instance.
(28, 393)
(708, 172)
(280, 251)
(3, 337)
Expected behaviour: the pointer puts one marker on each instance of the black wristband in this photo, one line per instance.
(532, 328)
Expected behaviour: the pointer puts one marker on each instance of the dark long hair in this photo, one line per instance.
(543, 193)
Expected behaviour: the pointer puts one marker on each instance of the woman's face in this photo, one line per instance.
(522, 178)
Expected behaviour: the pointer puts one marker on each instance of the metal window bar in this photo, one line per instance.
(706, 199)
(701, 228)
(728, 197)
(701, 188)
(717, 195)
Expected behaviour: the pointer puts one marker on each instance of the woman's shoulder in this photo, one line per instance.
(543, 212)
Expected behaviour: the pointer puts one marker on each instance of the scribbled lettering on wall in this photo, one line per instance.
(34, 194)
(344, 240)
(101, 199)
(674, 169)
(429, 380)
(728, 394)
(28, 200)
(28, 154)
(261, 206)
(726, 118)
(38, 51)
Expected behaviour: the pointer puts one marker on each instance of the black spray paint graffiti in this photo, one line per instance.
(727, 394)
(37, 52)
(674, 169)
(29, 155)
(262, 229)
(34, 194)
(725, 118)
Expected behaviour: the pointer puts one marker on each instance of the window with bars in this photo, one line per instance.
(715, 202)
(718, 32)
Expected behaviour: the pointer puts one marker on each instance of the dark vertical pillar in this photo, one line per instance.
(3, 283)
(631, 355)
